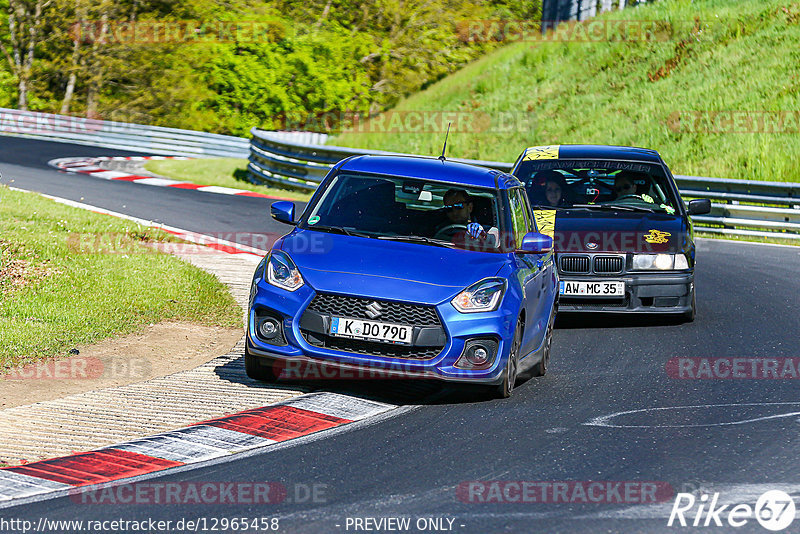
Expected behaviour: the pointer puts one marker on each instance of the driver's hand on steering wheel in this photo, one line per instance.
(476, 231)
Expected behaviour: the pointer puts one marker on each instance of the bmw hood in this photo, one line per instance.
(391, 270)
(620, 231)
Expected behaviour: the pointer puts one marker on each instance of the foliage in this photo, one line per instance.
(672, 93)
(307, 57)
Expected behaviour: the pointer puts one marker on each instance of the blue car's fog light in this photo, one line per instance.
(477, 354)
(268, 328)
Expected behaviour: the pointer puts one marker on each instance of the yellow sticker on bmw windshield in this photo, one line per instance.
(546, 222)
(541, 152)
(657, 236)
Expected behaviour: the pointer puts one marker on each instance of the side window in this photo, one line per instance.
(526, 206)
(518, 214)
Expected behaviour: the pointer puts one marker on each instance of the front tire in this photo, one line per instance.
(258, 368)
(540, 369)
(505, 389)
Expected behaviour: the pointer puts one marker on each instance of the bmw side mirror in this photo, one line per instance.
(699, 206)
(535, 243)
(283, 211)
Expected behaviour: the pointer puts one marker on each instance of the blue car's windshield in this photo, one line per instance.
(425, 212)
(596, 184)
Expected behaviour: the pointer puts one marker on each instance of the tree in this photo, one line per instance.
(25, 19)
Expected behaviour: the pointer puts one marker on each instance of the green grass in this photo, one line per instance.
(225, 172)
(748, 238)
(746, 57)
(58, 289)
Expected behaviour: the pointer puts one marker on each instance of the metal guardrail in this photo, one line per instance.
(120, 135)
(739, 207)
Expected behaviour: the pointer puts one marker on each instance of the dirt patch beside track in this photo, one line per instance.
(158, 350)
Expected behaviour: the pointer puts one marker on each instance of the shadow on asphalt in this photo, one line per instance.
(611, 320)
(373, 386)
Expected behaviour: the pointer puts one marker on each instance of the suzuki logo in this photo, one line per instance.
(374, 310)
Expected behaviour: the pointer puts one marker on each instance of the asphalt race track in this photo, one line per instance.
(738, 437)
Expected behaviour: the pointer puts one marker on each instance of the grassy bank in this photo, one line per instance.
(712, 56)
(225, 172)
(69, 276)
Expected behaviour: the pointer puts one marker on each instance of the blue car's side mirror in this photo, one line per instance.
(535, 243)
(283, 211)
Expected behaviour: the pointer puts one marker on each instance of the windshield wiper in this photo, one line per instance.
(340, 230)
(614, 207)
(418, 239)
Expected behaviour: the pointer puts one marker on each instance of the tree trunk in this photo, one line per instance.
(69, 91)
(96, 72)
(23, 28)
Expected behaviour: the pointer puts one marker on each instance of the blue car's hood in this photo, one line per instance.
(621, 231)
(388, 270)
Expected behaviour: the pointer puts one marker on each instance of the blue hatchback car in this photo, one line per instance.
(410, 267)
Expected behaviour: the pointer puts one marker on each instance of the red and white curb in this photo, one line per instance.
(90, 165)
(208, 440)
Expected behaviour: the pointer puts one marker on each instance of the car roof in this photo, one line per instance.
(429, 168)
(595, 152)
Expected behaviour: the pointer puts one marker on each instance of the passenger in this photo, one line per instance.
(548, 188)
(555, 191)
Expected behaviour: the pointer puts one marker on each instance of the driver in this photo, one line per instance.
(458, 208)
(623, 185)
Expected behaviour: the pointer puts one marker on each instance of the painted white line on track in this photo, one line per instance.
(606, 420)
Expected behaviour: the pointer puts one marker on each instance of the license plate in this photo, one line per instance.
(371, 330)
(591, 288)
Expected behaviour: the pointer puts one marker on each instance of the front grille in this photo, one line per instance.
(608, 264)
(391, 312)
(370, 348)
(361, 308)
(575, 264)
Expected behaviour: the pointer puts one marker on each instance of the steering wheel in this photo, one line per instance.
(450, 230)
(623, 197)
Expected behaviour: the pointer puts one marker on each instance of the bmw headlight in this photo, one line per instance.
(282, 272)
(659, 262)
(482, 296)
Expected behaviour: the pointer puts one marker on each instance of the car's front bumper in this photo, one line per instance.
(297, 358)
(650, 293)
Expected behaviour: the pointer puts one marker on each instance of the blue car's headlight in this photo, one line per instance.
(481, 296)
(282, 272)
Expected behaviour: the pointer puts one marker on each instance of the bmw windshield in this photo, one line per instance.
(596, 184)
(418, 211)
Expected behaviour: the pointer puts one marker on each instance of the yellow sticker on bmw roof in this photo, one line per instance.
(541, 152)
(546, 222)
